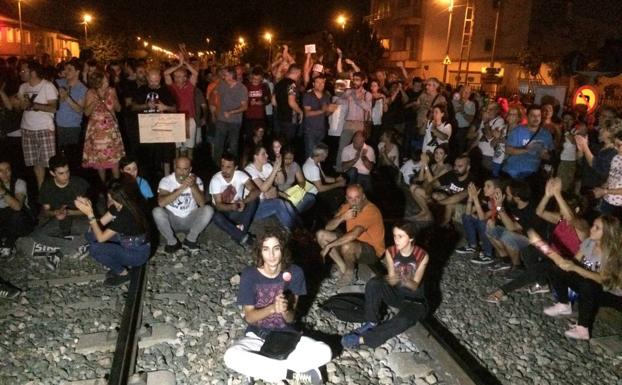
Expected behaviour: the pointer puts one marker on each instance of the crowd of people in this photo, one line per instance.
(537, 188)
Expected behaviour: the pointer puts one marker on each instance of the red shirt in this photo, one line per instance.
(256, 108)
(185, 99)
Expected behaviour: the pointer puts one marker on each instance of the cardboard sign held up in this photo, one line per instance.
(162, 128)
(309, 48)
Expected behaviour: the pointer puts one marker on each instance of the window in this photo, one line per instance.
(10, 37)
(27, 37)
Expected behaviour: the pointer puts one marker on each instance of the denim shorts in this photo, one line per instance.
(510, 239)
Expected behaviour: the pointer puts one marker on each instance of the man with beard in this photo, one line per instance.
(358, 102)
(149, 99)
(450, 190)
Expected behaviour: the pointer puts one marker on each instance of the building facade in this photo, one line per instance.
(37, 41)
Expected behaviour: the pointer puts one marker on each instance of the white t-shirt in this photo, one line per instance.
(428, 144)
(569, 149)
(485, 145)
(394, 153)
(349, 153)
(185, 202)
(312, 173)
(42, 93)
(409, 169)
(265, 172)
(20, 188)
(232, 191)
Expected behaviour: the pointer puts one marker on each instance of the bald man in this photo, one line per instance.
(363, 241)
(181, 207)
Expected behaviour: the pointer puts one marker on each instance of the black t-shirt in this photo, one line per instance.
(123, 222)
(527, 218)
(57, 197)
(452, 185)
(145, 93)
(282, 90)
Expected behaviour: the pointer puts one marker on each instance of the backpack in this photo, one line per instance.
(348, 307)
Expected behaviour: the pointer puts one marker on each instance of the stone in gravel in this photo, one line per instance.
(420, 381)
(380, 353)
(431, 379)
(235, 280)
(180, 351)
(331, 368)
(405, 365)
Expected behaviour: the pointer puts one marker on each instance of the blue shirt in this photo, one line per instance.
(317, 122)
(145, 189)
(67, 116)
(523, 165)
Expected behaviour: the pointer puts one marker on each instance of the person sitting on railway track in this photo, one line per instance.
(235, 197)
(62, 232)
(363, 241)
(119, 239)
(401, 287)
(269, 293)
(129, 165)
(595, 274)
(181, 207)
(16, 219)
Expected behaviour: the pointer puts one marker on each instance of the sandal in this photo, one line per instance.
(495, 297)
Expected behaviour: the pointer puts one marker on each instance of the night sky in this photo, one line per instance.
(170, 22)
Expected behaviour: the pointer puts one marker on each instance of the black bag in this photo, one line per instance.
(279, 344)
(348, 307)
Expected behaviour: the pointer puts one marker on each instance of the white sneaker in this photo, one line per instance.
(558, 309)
(578, 333)
(312, 377)
(536, 288)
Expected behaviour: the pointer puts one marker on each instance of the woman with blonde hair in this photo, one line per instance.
(595, 274)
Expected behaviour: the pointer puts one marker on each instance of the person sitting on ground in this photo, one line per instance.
(251, 142)
(266, 177)
(123, 242)
(611, 191)
(363, 241)
(432, 168)
(328, 190)
(181, 207)
(388, 151)
(269, 293)
(293, 176)
(235, 209)
(411, 168)
(401, 287)
(451, 190)
(595, 274)
(8, 290)
(477, 217)
(357, 161)
(565, 238)
(129, 165)
(438, 129)
(62, 231)
(15, 217)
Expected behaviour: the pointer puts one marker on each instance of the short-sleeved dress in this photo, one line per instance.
(103, 145)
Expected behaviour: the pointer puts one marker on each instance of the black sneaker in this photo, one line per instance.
(116, 280)
(8, 291)
(499, 265)
(192, 247)
(482, 259)
(466, 250)
(172, 248)
(311, 377)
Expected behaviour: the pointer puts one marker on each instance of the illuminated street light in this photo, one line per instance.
(341, 20)
(241, 41)
(268, 37)
(145, 43)
(86, 19)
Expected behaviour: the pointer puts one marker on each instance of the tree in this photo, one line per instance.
(109, 47)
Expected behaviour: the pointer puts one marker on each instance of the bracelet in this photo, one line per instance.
(92, 219)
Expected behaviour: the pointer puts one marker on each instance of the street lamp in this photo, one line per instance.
(86, 19)
(241, 41)
(341, 20)
(446, 60)
(268, 37)
(21, 33)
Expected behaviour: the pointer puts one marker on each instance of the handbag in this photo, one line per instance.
(279, 344)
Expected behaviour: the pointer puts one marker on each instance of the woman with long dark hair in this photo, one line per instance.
(438, 129)
(119, 239)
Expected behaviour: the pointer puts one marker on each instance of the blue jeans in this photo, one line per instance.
(475, 229)
(354, 176)
(306, 203)
(117, 253)
(312, 138)
(284, 211)
(225, 133)
(227, 221)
